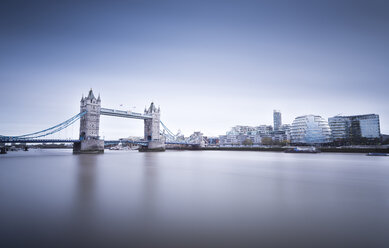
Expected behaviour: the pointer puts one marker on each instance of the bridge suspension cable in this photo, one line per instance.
(44, 132)
(167, 130)
(172, 138)
(169, 135)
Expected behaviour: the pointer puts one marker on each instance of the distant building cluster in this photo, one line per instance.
(258, 135)
(306, 130)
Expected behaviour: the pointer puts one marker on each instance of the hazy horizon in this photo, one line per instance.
(209, 65)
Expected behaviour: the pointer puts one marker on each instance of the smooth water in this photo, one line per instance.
(193, 199)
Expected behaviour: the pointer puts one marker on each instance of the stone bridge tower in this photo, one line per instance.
(90, 122)
(152, 132)
(89, 126)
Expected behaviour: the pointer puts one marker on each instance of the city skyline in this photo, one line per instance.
(208, 65)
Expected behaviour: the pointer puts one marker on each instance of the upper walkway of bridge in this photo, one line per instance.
(125, 114)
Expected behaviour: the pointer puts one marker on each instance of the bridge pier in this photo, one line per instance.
(153, 146)
(3, 150)
(89, 126)
(88, 146)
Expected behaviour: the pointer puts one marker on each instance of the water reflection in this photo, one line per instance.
(148, 192)
(86, 168)
(86, 175)
(193, 199)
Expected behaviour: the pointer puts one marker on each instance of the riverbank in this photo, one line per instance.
(282, 149)
(248, 148)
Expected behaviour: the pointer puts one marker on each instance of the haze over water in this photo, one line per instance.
(193, 198)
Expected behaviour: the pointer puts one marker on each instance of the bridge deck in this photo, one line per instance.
(115, 142)
(106, 142)
(38, 141)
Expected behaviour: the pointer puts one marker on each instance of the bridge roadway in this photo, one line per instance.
(114, 142)
(39, 141)
(106, 142)
(144, 143)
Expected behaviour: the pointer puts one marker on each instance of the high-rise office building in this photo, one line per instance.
(277, 120)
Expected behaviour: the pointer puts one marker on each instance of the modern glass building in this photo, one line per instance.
(340, 129)
(310, 130)
(277, 120)
(356, 129)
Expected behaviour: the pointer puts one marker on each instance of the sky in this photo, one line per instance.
(209, 65)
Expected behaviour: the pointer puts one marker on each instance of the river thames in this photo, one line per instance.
(193, 199)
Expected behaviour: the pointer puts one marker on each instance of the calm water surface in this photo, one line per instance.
(193, 199)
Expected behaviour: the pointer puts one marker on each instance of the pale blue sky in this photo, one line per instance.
(210, 65)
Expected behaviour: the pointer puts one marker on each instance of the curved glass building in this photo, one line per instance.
(310, 129)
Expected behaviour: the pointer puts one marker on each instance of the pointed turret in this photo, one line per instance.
(90, 95)
(152, 108)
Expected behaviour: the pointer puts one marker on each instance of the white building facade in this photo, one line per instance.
(310, 130)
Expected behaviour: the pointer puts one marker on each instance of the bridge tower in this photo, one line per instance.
(89, 126)
(156, 141)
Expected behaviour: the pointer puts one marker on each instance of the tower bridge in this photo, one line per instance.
(155, 138)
